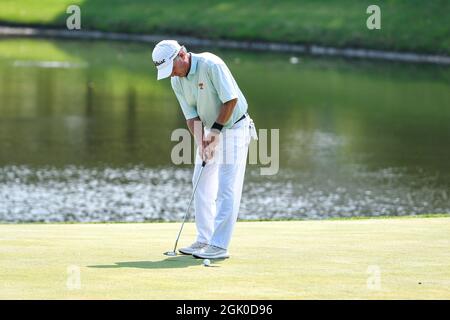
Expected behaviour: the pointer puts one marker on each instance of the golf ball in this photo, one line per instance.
(206, 262)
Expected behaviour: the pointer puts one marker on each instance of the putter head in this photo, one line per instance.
(170, 253)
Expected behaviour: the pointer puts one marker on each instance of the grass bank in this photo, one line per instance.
(406, 25)
(269, 260)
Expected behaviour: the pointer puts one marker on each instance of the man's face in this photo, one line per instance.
(180, 65)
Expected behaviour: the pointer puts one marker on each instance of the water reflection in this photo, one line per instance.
(85, 135)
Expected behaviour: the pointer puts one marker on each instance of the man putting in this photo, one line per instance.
(211, 101)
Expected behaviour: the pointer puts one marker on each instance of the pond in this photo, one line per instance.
(85, 135)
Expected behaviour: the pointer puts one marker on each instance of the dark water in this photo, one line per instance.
(85, 135)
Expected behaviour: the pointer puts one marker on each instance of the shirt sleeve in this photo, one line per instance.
(223, 82)
(188, 110)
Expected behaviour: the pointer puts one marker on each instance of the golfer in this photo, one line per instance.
(212, 102)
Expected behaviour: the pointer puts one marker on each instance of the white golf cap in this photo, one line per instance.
(163, 55)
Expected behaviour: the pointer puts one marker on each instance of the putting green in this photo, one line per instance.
(343, 259)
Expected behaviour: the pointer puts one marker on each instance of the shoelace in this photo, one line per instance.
(197, 245)
(214, 247)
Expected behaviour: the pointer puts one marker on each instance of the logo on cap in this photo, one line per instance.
(158, 63)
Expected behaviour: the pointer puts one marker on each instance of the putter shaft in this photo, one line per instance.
(189, 206)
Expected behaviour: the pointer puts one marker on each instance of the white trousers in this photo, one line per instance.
(219, 190)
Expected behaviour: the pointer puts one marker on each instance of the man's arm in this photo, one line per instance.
(224, 115)
(195, 126)
(226, 111)
(223, 82)
(212, 139)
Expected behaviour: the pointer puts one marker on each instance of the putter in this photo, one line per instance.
(174, 252)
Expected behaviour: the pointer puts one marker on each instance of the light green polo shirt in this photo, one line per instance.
(207, 86)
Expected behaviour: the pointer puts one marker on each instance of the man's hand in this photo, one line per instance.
(210, 144)
(201, 150)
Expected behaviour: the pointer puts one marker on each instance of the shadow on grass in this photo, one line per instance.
(168, 263)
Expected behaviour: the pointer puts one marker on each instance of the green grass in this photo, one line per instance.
(405, 25)
(269, 260)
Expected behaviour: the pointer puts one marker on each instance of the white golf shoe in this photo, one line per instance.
(211, 252)
(193, 247)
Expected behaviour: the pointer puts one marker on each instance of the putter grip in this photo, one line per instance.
(203, 163)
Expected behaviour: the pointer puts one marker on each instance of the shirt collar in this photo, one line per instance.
(194, 61)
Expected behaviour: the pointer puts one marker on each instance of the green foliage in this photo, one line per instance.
(406, 25)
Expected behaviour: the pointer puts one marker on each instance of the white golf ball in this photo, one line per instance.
(206, 262)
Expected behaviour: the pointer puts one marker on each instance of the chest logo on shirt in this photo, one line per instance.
(200, 85)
